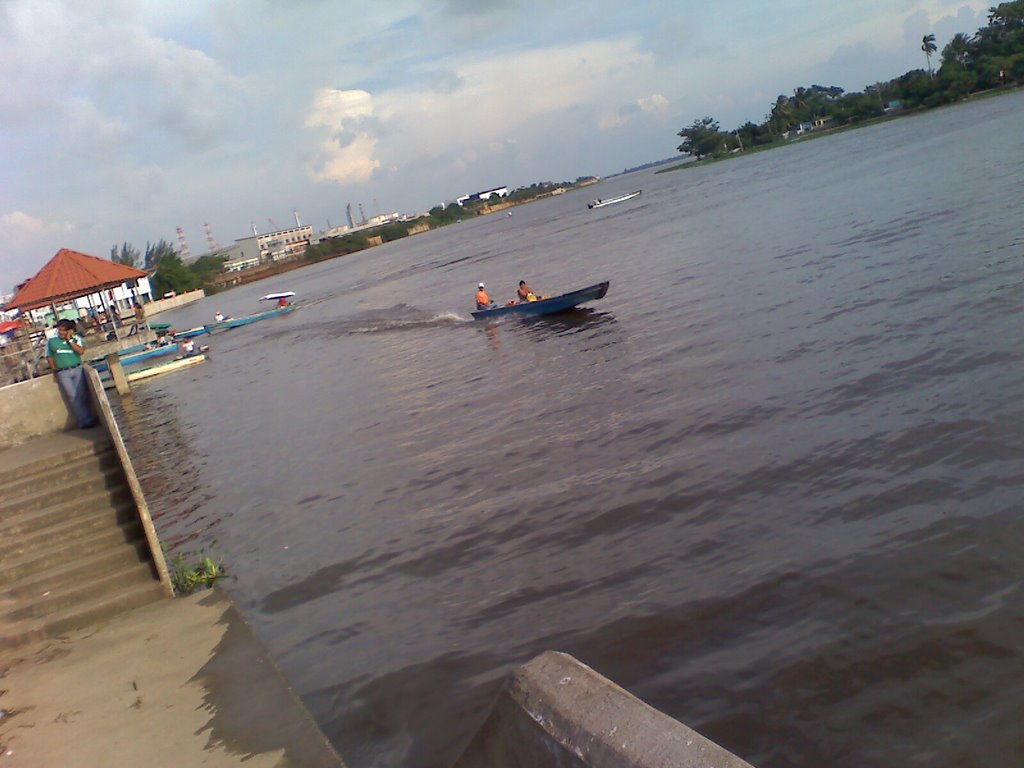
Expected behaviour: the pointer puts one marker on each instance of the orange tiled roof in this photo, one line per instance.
(70, 274)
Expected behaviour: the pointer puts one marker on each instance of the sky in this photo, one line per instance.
(124, 120)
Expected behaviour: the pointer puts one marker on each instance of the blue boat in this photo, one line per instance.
(546, 306)
(137, 357)
(190, 333)
(235, 322)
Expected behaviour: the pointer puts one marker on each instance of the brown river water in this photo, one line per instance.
(772, 484)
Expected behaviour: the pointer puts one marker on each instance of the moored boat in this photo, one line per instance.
(137, 357)
(168, 367)
(190, 333)
(549, 305)
(601, 203)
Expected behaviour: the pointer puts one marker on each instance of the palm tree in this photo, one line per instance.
(929, 47)
(959, 50)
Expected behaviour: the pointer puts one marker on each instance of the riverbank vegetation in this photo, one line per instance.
(990, 59)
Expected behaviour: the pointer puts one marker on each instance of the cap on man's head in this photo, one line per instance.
(481, 285)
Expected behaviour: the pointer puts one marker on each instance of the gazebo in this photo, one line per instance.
(70, 275)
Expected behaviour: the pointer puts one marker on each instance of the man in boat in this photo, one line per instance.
(219, 317)
(282, 302)
(525, 293)
(483, 301)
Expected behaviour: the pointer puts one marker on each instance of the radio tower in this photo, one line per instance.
(210, 239)
(183, 251)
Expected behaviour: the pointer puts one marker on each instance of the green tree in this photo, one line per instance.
(205, 268)
(156, 252)
(929, 47)
(705, 138)
(958, 51)
(173, 275)
(127, 254)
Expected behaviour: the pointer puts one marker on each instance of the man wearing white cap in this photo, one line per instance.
(483, 301)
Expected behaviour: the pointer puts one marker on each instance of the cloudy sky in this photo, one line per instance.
(122, 120)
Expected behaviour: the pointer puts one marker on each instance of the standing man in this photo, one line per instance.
(64, 353)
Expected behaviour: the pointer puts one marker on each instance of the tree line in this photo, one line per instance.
(991, 58)
(167, 270)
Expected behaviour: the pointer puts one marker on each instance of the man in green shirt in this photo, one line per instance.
(64, 353)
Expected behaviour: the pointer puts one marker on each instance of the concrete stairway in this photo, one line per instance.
(72, 551)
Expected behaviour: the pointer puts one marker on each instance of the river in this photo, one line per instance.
(771, 484)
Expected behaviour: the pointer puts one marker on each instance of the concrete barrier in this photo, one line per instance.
(556, 712)
(162, 305)
(101, 406)
(32, 408)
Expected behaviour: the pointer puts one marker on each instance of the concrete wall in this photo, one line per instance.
(32, 408)
(556, 712)
(162, 305)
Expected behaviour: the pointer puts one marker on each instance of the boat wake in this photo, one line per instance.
(401, 317)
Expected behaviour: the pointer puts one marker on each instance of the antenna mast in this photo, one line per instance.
(210, 239)
(186, 254)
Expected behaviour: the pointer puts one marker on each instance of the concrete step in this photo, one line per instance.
(66, 596)
(26, 521)
(28, 461)
(59, 490)
(86, 614)
(78, 463)
(42, 562)
(78, 571)
(49, 528)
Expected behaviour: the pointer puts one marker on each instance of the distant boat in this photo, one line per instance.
(547, 306)
(601, 203)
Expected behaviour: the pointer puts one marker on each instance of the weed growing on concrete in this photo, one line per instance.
(200, 574)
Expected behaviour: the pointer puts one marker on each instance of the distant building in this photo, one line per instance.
(487, 194)
(268, 247)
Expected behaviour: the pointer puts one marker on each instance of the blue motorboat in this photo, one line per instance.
(137, 357)
(546, 306)
(190, 333)
(236, 322)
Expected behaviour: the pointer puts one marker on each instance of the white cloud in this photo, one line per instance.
(346, 148)
(653, 103)
(609, 120)
(18, 225)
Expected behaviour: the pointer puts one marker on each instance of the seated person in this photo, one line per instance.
(525, 293)
(483, 301)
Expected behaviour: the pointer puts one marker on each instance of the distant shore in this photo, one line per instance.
(694, 163)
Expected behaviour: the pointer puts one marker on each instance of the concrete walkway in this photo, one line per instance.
(181, 682)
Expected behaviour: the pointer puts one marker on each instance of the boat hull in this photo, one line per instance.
(190, 333)
(599, 203)
(237, 322)
(138, 357)
(168, 367)
(548, 306)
